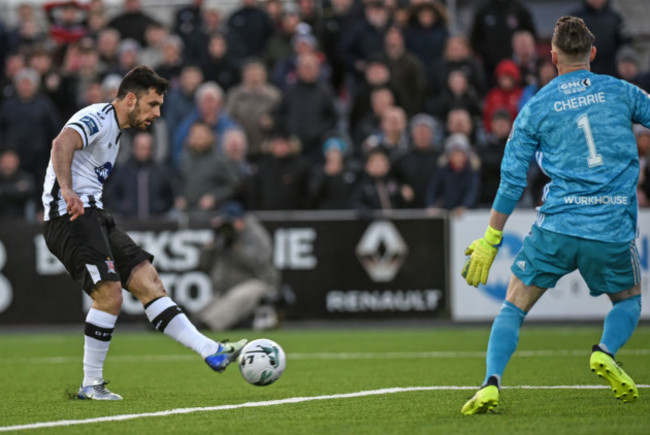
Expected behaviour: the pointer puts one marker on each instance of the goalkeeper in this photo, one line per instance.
(579, 129)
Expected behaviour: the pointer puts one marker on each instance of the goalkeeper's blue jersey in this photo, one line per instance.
(579, 129)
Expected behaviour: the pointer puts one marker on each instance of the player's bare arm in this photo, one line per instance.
(63, 148)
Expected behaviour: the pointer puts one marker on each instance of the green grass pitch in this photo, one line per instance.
(38, 372)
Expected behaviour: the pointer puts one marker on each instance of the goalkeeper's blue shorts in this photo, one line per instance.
(606, 267)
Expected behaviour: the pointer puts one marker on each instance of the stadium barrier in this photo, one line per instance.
(335, 266)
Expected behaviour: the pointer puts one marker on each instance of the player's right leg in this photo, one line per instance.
(613, 269)
(83, 249)
(503, 341)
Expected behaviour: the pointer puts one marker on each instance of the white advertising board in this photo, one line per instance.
(569, 300)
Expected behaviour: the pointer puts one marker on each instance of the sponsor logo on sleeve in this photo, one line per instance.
(90, 124)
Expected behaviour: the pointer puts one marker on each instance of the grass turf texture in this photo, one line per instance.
(38, 372)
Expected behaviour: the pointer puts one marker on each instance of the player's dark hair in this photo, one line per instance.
(139, 80)
(572, 36)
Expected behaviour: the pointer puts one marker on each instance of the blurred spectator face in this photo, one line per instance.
(108, 43)
(308, 68)
(333, 161)
(377, 165)
(254, 75)
(128, 58)
(88, 62)
(422, 136)
(506, 82)
(211, 19)
(523, 45)
(155, 35)
(143, 147)
(547, 72)
(97, 19)
(217, 46)
(456, 49)
(457, 82)
(280, 147)
(274, 9)
(377, 74)
(25, 12)
(394, 42)
(426, 17)
(307, 8)
(459, 121)
(381, 100)
(596, 4)
(131, 6)
(304, 44)
(172, 48)
(94, 94)
(501, 127)
(627, 70)
(41, 62)
(26, 84)
(13, 64)
(209, 105)
(9, 163)
(234, 145)
(200, 138)
(191, 78)
(376, 13)
(289, 23)
(341, 7)
(457, 159)
(393, 120)
(249, 3)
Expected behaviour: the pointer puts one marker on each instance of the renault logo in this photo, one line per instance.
(382, 251)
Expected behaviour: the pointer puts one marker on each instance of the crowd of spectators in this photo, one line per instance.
(292, 104)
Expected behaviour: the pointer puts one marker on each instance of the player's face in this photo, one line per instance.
(146, 110)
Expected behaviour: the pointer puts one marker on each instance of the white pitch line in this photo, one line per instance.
(327, 356)
(290, 400)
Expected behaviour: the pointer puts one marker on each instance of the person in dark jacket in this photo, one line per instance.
(249, 29)
(364, 37)
(377, 189)
(308, 108)
(419, 164)
(331, 184)
(607, 26)
(132, 22)
(455, 187)
(491, 154)
(426, 34)
(140, 188)
(19, 115)
(494, 24)
(17, 187)
(280, 182)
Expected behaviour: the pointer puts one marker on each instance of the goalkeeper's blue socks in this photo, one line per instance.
(503, 339)
(620, 324)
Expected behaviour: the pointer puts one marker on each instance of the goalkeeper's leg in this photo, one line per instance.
(504, 338)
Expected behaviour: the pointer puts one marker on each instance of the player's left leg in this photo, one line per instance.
(145, 284)
(504, 338)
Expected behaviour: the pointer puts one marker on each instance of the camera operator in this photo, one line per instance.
(240, 263)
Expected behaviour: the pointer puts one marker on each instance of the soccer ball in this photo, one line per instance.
(262, 361)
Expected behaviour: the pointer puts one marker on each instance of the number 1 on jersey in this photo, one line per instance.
(594, 158)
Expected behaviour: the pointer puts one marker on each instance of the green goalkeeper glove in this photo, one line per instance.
(482, 252)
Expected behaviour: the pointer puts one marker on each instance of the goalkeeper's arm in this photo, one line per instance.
(482, 251)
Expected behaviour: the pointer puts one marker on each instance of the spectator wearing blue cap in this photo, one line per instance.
(331, 184)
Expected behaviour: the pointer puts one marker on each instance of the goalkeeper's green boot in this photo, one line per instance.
(485, 399)
(603, 364)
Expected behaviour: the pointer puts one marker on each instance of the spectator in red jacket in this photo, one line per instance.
(506, 94)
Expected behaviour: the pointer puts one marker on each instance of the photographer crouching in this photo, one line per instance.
(240, 263)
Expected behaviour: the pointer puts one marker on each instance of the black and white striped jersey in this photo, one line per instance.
(99, 129)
